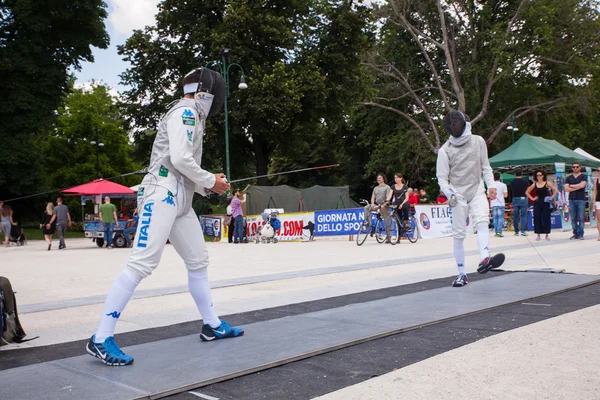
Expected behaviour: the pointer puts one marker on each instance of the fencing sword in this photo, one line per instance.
(284, 173)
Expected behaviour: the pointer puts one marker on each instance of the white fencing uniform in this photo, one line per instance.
(165, 195)
(461, 164)
(165, 213)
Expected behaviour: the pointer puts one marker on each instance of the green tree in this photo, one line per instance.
(68, 156)
(40, 40)
(491, 59)
(301, 59)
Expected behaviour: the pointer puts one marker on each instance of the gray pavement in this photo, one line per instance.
(60, 292)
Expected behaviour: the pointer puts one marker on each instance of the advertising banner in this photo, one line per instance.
(294, 226)
(211, 226)
(339, 222)
(434, 221)
(555, 220)
(590, 192)
(562, 196)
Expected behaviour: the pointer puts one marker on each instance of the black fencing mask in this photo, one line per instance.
(455, 123)
(206, 81)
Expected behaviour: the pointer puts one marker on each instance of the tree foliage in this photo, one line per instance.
(68, 155)
(302, 65)
(40, 40)
(490, 59)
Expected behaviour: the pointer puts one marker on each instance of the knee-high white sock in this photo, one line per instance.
(117, 298)
(483, 240)
(200, 291)
(459, 255)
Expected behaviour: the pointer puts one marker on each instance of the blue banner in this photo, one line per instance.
(211, 226)
(339, 222)
(97, 226)
(555, 220)
(562, 196)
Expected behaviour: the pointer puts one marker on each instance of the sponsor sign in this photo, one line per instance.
(211, 226)
(434, 221)
(556, 219)
(339, 222)
(294, 226)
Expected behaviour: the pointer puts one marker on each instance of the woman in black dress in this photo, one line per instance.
(399, 196)
(542, 193)
(47, 228)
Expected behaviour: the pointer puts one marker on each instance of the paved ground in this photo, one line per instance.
(60, 293)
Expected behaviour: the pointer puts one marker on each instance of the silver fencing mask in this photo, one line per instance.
(455, 123)
(204, 80)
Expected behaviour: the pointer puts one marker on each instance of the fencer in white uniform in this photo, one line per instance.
(462, 167)
(165, 213)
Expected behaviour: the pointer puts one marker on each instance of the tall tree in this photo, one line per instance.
(40, 40)
(490, 59)
(71, 153)
(300, 58)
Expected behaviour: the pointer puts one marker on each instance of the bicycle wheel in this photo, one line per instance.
(380, 233)
(362, 233)
(412, 230)
(396, 230)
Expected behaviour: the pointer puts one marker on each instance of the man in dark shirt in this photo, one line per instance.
(518, 187)
(575, 185)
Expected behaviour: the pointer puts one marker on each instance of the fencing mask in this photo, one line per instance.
(208, 88)
(455, 123)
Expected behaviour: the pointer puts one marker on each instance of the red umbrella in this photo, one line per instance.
(98, 186)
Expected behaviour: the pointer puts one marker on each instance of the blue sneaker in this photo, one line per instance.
(108, 352)
(222, 332)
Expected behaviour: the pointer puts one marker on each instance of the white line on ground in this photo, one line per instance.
(536, 304)
(204, 396)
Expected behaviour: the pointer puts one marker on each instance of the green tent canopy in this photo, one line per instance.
(533, 150)
(289, 198)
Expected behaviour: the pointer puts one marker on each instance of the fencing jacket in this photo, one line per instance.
(461, 164)
(177, 154)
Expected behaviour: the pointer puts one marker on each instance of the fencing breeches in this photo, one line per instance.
(475, 212)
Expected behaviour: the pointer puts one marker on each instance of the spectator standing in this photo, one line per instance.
(498, 205)
(518, 188)
(413, 200)
(63, 220)
(131, 227)
(442, 199)
(542, 193)
(48, 225)
(228, 220)
(398, 195)
(108, 216)
(7, 223)
(378, 198)
(238, 216)
(575, 184)
(596, 200)
(424, 197)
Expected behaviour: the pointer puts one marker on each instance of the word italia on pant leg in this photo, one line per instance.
(145, 220)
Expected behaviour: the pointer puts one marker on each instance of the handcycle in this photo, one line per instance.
(377, 227)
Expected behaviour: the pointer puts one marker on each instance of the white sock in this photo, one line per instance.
(117, 298)
(459, 255)
(483, 239)
(200, 291)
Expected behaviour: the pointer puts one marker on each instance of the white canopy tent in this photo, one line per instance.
(585, 154)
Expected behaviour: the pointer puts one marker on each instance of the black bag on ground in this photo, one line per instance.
(12, 331)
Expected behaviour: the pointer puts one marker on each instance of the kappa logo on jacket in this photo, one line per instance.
(188, 117)
(145, 220)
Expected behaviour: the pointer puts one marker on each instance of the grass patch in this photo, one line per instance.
(36, 234)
